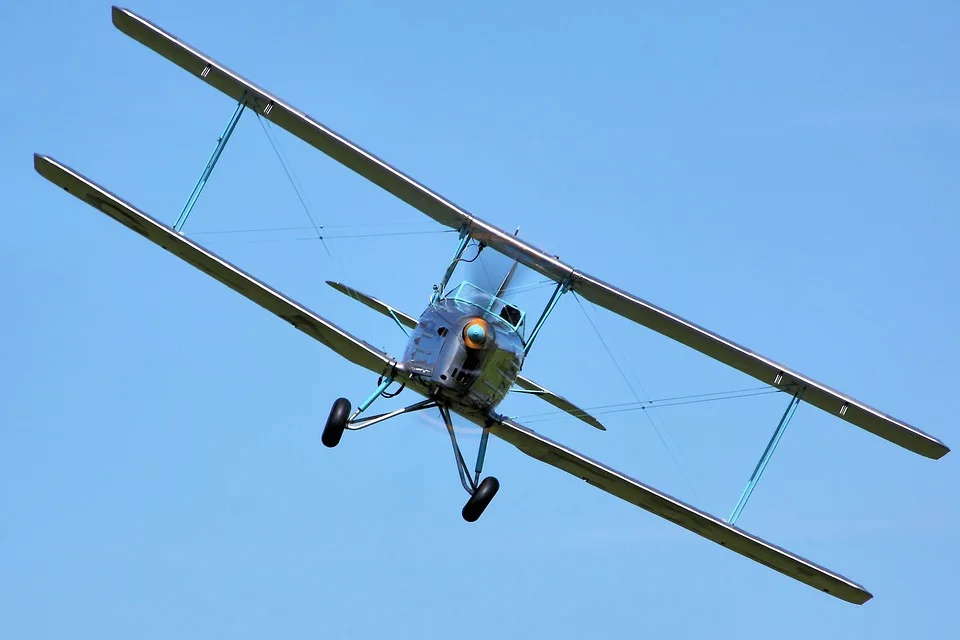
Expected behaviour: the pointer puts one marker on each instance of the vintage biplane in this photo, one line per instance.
(466, 350)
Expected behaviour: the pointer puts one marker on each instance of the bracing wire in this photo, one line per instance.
(659, 403)
(326, 237)
(226, 232)
(294, 182)
(633, 391)
(659, 417)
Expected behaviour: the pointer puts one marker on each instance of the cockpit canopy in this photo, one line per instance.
(489, 305)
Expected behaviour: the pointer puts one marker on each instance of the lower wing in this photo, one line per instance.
(344, 344)
(703, 524)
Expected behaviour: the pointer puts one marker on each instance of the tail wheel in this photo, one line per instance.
(480, 499)
(336, 423)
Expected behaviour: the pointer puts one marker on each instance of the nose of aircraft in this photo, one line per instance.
(475, 333)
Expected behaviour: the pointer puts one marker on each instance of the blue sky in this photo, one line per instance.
(783, 176)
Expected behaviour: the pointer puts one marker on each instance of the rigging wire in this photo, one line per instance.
(343, 236)
(291, 176)
(327, 226)
(656, 429)
(663, 423)
(659, 403)
(381, 235)
(523, 288)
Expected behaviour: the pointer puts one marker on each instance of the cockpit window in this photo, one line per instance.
(511, 314)
(491, 304)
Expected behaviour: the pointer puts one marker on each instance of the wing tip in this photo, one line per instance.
(44, 164)
(928, 447)
(856, 595)
(118, 13)
(596, 424)
(867, 597)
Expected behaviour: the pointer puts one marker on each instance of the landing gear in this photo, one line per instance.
(480, 499)
(336, 423)
(481, 492)
(341, 419)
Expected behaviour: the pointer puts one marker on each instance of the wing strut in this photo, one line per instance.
(562, 287)
(765, 458)
(211, 163)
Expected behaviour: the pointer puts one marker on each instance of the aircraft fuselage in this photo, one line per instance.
(465, 353)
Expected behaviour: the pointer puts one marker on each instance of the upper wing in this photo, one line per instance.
(449, 214)
(617, 484)
(524, 383)
(351, 348)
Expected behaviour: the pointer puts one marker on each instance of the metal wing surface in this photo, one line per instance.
(559, 402)
(377, 305)
(703, 524)
(447, 213)
(344, 344)
(524, 383)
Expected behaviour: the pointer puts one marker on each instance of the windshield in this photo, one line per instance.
(474, 295)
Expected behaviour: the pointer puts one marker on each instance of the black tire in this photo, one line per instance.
(480, 499)
(336, 423)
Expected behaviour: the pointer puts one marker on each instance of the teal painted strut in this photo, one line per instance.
(765, 458)
(386, 382)
(461, 247)
(481, 454)
(211, 163)
(396, 319)
(562, 288)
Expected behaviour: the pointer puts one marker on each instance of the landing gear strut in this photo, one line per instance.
(481, 492)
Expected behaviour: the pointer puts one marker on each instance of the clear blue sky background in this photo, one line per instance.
(784, 176)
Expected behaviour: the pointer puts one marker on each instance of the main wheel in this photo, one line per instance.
(336, 422)
(480, 499)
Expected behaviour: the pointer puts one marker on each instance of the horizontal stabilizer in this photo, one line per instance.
(351, 348)
(703, 524)
(408, 321)
(558, 401)
(524, 383)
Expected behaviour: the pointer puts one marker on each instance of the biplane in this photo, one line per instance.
(466, 350)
